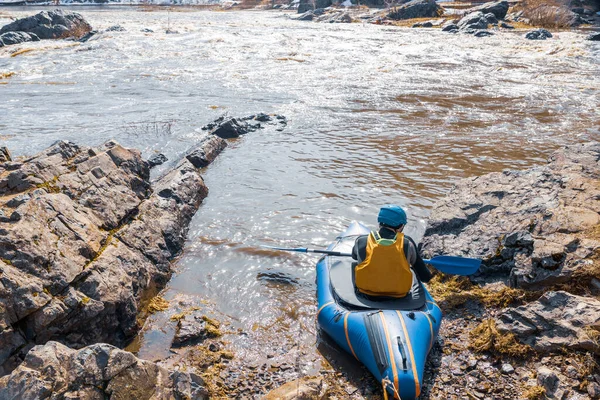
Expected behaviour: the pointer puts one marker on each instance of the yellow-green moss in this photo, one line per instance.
(485, 337)
(535, 393)
(453, 291)
(157, 304)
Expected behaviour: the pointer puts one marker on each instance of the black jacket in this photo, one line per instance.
(359, 252)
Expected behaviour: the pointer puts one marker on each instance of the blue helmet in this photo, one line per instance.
(392, 216)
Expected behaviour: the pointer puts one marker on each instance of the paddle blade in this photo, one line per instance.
(455, 265)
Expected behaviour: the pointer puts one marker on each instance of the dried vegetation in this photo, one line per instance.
(485, 337)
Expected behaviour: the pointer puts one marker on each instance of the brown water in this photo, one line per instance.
(376, 115)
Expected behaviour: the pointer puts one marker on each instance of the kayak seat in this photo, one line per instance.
(342, 285)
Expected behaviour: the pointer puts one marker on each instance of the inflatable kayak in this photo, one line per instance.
(391, 338)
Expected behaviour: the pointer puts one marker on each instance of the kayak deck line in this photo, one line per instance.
(323, 306)
(411, 353)
(347, 335)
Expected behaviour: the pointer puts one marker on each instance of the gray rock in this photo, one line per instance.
(483, 33)
(5, 154)
(595, 37)
(548, 379)
(475, 20)
(55, 24)
(95, 372)
(191, 328)
(507, 369)
(449, 27)
(416, 9)
(498, 8)
(75, 264)
(157, 159)
(146, 30)
(593, 390)
(538, 34)
(9, 38)
(204, 154)
(523, 224)
(556, 321)
(491, 18)
(506, 26)
(305, 6)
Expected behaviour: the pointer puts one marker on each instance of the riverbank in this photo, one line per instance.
(422, 111)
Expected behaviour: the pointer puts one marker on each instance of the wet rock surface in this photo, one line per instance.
(527, 226)
(56, 24)
(538, 34)
(85, 238)
(98, 371)
(230, 128)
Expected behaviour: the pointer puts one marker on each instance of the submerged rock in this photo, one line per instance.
(557, 321)
(524, 225)
(96, 372)
(56, 24)
(90, 238)
(229, 128)
(538, 34)
(594, 37)
(417, 9)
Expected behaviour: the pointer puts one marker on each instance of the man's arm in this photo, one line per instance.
(415, 260)
(359, 251)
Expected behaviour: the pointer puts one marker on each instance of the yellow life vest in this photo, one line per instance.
(385, 270)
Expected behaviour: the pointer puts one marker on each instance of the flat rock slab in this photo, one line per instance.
(557, 321)
(529, 226)
(100, 371)
(84, 237)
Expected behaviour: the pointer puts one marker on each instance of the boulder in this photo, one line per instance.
(525, 225)
(449, 27)
(88, 238)
(305, 6)
(475, 20)
(538, 34)
(498, 8)
(157, 159)
(416, 9)
(594, 37)
(483, 33)
(56, 24)
(211, 146)
(555, 322)
(99, 371)
(9, 38)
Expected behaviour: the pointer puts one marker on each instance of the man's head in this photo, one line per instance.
(392, 216)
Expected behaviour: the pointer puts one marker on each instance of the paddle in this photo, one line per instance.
(305, 250)
(446, 264)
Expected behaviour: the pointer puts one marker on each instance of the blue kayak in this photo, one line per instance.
(392, 338)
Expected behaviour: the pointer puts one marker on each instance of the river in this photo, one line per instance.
(376, 115)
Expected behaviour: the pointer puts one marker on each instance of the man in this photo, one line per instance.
(385, 258)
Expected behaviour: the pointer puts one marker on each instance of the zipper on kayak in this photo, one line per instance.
(374, 332)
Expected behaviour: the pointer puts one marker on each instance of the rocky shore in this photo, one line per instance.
(527, 325)
(86, 241)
